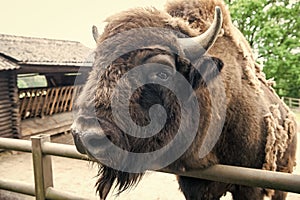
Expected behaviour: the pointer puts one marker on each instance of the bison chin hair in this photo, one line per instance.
(123, 180)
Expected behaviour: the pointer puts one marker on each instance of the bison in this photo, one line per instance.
(180, 89)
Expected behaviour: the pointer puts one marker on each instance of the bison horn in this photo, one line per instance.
(205, 40)
(95, 33)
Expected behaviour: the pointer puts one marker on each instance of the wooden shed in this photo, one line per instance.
(39, 78)
(9, 111)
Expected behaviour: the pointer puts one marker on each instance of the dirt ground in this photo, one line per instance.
(78, 177)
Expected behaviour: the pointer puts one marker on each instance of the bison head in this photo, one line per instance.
(140, 108)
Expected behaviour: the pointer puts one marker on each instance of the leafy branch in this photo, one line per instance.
(272, 29)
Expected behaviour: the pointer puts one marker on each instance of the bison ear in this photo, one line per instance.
(202, 71)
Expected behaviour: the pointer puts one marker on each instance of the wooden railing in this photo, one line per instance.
(41, 149)
(39, 102)
(292, 102)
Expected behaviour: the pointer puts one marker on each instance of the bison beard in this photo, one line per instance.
(259, 130)
(108, 176)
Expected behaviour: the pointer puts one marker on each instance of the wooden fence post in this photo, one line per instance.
(42, 166)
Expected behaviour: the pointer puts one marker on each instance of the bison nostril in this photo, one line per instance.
(74, 132)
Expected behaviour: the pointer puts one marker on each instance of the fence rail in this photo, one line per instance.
(292, 102)
(41, 148)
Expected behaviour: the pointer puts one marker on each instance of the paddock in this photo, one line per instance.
(81, 186)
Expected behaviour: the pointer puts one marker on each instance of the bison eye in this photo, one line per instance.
(163, 75)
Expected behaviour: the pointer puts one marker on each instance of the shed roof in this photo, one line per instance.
(6, 64)
(42, 51)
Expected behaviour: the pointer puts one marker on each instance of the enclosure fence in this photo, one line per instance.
(292, 102)
(41, 149)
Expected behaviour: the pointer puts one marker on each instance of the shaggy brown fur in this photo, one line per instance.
(259, 130)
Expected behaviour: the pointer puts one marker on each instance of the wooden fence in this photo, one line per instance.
(39, 102)
(42, 167)
(41, 149)
(292, 102)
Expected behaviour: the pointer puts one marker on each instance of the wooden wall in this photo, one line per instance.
(9, 109)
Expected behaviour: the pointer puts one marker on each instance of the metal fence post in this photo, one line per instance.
(42, 166)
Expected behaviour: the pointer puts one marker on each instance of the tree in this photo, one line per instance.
(272, 28)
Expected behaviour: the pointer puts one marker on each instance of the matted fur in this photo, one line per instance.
(278, 139)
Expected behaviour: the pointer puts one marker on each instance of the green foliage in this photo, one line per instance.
(272, 28)
(31, 81)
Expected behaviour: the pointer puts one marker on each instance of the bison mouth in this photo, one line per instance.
(97, 138)
(106, 175)
(89, 143)
(97, 144)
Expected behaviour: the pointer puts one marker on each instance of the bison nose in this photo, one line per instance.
(89, 136)
(91, 143)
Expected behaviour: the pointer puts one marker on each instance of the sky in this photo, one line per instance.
(62, 19)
